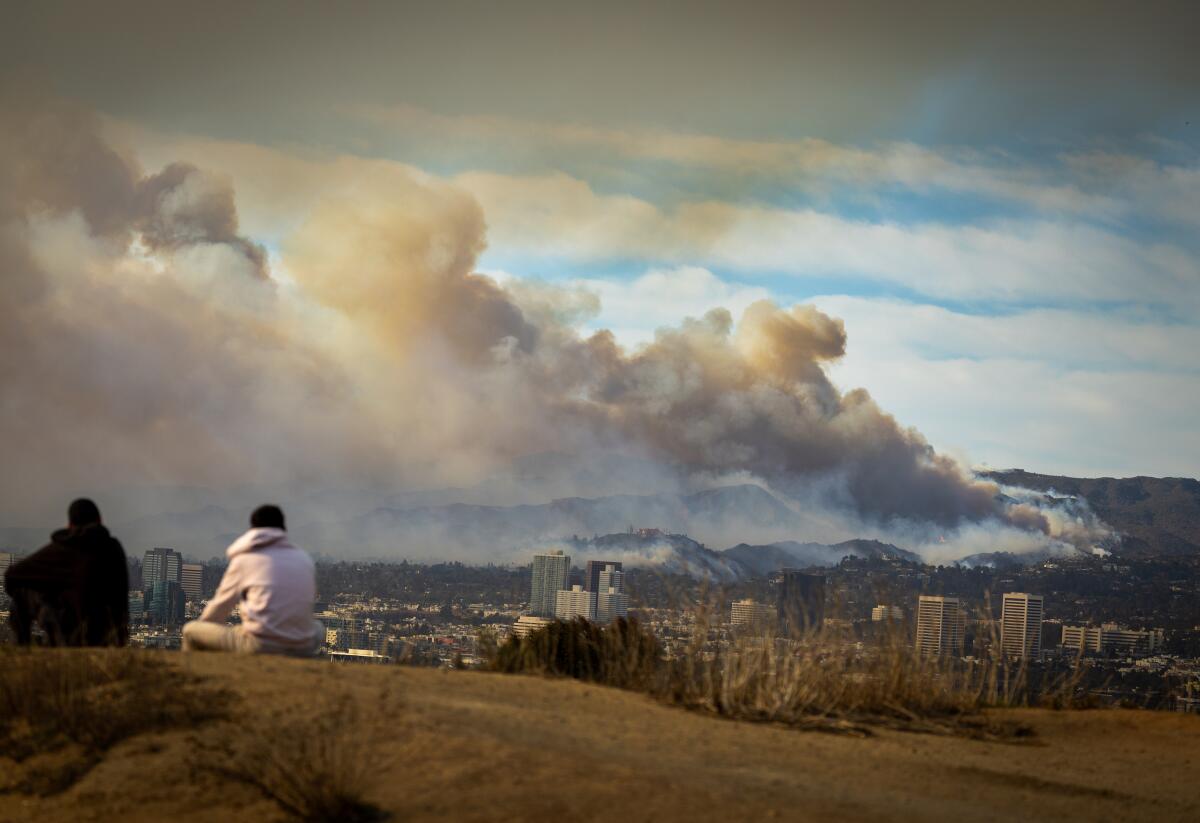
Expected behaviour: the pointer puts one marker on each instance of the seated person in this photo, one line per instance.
(273, 584)
(76, 588)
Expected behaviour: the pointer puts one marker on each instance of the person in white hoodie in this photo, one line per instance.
(273, 584)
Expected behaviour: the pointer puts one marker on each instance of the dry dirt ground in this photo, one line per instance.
(475, 746)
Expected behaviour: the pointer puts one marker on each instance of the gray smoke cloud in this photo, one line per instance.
(147, 342)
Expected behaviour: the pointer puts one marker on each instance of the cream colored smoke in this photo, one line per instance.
(147, 341)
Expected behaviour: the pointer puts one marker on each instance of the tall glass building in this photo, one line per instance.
(550, 575)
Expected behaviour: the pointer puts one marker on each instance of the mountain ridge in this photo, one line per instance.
(1154, 515)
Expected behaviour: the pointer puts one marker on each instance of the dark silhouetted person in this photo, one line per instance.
(273, 585)
(76, 588)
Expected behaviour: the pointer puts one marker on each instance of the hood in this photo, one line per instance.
(256, 539)
(80, 537)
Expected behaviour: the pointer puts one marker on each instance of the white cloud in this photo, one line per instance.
(557, 216)
(562, 220)
(1071, 339)
(663, 297)
(807, 164)
(1061, 392)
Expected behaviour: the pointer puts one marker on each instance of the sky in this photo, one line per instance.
(1000, 205)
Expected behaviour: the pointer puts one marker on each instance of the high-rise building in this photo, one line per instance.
(940, 625)
(610, 577)
(550, 575)
(801, 602)
(591, 579)
(1021, 625)
(575, 602)
(611, 600)
(137, 605)
(165, 606)
(610, 605)
(750, 614)
(191, 577)
(160, 564)
(881, 613)
(8, 558)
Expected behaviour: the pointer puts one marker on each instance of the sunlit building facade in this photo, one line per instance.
(940, 625)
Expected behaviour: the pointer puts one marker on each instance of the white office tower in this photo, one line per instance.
(550, 574)
(611, 600)
(940, 625)
(611, 577)
(1021, 625)
(751, 613)
(191, 579)
(575, 602)
(610, 605)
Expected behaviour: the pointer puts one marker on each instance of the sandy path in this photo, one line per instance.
(471, 746)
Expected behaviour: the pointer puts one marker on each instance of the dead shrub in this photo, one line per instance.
(621, 654)
(315, 768)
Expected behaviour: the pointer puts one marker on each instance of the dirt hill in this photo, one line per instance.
(474, 746)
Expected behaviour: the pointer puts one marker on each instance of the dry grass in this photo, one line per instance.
(61, 709)
(818, 682)
(317, 768)
(621, 654)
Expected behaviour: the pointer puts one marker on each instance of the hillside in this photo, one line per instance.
(1156, 515)
(674, 553)
(475, 746)
(763, 559)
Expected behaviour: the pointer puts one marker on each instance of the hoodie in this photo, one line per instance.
(82, 578)
(274, 584)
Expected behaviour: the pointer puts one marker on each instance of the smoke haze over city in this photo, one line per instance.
(360, 291)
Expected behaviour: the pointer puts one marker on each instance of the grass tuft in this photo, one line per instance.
(319, 769)
(61, 709)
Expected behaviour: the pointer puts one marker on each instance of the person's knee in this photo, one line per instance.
(189, 636)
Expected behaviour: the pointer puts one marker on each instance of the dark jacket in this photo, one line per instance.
(76, 587)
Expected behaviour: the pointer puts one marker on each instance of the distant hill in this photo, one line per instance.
(722, 515)
(1155, 515)
(764, 559)
(676, 553)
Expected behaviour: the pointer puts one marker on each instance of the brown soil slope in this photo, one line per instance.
(474, 746)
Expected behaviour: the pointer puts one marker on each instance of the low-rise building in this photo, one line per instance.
(527, 624)
(1109, 638)
(750, 613)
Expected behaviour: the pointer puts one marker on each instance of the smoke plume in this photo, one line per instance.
(146, 341)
